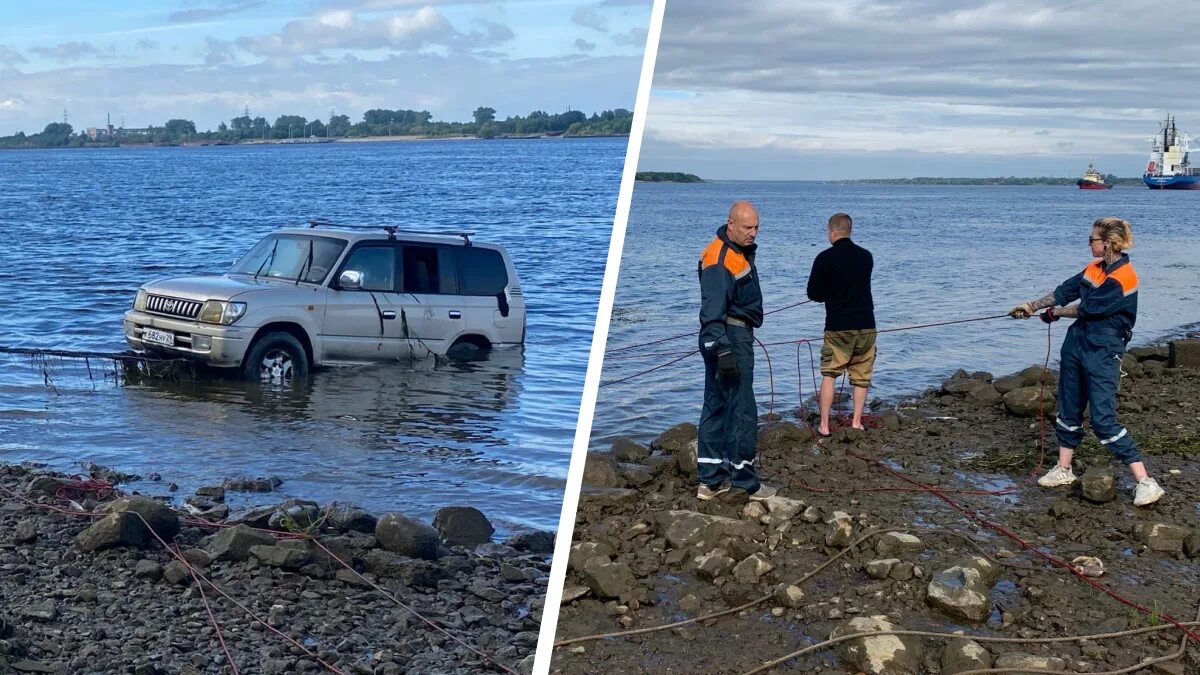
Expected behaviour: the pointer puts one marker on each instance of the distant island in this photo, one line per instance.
(1009, 180)
(376, 124)
(667, 177)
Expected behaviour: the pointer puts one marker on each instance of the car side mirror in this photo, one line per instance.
(350, 280)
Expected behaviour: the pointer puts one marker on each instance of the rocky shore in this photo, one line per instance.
(647, 553)
(98, 593)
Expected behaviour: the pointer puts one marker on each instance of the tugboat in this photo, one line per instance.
(1169, 168)
(1092, 180)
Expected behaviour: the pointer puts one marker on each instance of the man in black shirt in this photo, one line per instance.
(841, 278)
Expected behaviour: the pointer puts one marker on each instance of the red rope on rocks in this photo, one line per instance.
(77, 486)
(207, 608)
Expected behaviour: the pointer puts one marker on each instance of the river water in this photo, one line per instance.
(941, 253)
(82, 229)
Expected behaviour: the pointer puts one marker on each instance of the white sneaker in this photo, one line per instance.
(1057, 476)
(705, 493)
(1148, 492)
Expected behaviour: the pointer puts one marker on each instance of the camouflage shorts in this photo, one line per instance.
(851, 351)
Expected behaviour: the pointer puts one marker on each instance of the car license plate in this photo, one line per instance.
(158, 337)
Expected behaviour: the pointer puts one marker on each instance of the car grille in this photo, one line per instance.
(161, 304)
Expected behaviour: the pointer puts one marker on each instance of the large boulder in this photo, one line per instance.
(684, 528)
(538, 541)
(291, 555)
(608, 579)
(783, 436)
(1099, 485)
(1028, 401)
(961, 386)
(627, 450)
(234, 543)
(601, 470)
(398, 533)
(1156, 353)
(1035, 375)
(410, 572)
(1184, 354)
(960, 591)
(675, 439)
(350, 518)
(294, 515)
(879, 655)
(986, 394)
(962, 655)
(463, 526)
(1161, 536)
(126, 525)
(1008, 383)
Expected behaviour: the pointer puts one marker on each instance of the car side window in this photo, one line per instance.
(423, 272)
(377, 264)
(483, 271)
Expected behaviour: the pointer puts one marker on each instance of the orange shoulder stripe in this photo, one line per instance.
(1094, 274)
(737, 264)
(1127, 277)
(711, 254)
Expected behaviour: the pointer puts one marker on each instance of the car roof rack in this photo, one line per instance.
(392, 230)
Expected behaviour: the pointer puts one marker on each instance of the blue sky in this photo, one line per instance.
(206, 60)
(834, 89)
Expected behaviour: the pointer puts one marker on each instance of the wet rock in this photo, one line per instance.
(675, 439)
(1161, 536)
(1019, 661)
(841, 530)
(148, 569)
(602, 471)
(533, 542)
(1158, 353)
(408, 571)
(686, 461)
(962, 655)
(107, 473)
(234, 543)
(985, 395)
(350, 518)
(715, 564)
(1008, 383)
(689, 603)
(114, 530)
(283, 555)
(401, 534)
(1099, 485)
(1027, 401)
(1191, 545)
(893, 544)
(627, 450)
(783, 437)
(599, 497)
(960, 591)
(608, 579)
(25, 532)
(684, 528)
(213, 492)
(45, 486)
(248, 484)
(635, 475)
(1184, 354)
(880, 569)
(463, 526)
(749, 570)
(582, 552)
(572, 593)
(294, 515)
(961, 386)
(1035, 375)
(891, 420)
(881, 655)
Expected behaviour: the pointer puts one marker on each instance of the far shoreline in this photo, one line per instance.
(323, 141)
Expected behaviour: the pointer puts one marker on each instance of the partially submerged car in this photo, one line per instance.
(335, 295)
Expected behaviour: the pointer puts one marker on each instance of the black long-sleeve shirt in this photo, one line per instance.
(841, 278)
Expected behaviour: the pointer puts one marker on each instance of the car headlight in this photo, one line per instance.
(139, 302)
(219, 311)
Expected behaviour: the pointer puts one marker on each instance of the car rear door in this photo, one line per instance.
(363, 324)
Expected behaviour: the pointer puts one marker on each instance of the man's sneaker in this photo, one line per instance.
(1057, 476)
(1147, 492)
(763, 493)
(705, 493)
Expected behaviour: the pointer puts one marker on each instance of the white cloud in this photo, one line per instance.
(10, 56)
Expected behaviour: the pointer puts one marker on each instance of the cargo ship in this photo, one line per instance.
(1169, 168)
(1092, 180)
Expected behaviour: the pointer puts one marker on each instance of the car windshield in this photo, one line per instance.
(291, 257)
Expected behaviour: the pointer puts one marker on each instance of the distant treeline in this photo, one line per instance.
(667, 177)
(1010, 180)
(378, 122)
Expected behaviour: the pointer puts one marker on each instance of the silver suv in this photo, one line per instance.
(332, 295)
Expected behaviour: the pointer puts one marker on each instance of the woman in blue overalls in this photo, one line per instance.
(1090, 368)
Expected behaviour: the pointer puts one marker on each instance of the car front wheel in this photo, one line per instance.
(276, 358)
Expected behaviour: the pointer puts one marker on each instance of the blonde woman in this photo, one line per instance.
(1090, 368)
